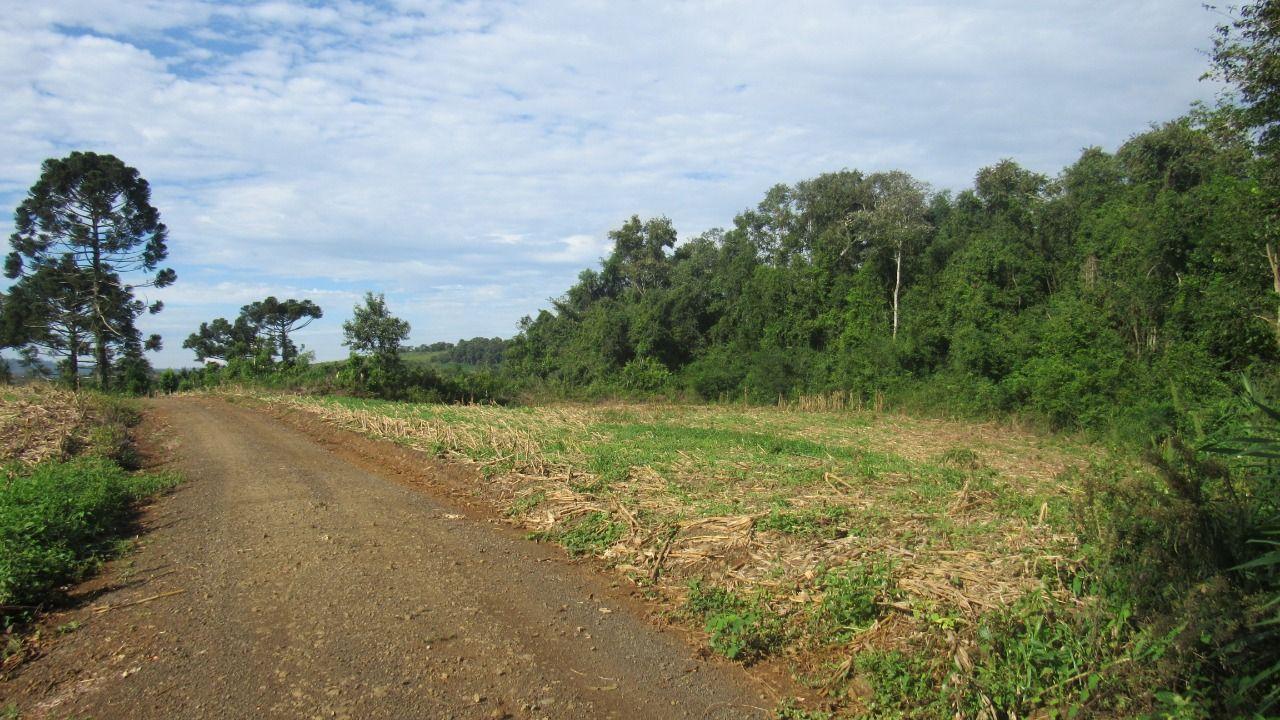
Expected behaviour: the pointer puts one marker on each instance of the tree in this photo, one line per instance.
(277, 319)
(50, 312)
(894, 220)
(8, 338)
(223, 340)
(1246, 54)
(373, 330)
(639, 257)
(85, 225)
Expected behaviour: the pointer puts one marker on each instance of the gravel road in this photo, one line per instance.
(291, 581)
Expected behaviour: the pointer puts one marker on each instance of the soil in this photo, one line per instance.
(304, 572)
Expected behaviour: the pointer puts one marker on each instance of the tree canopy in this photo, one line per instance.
(278, 318)
(1131, 288)
(373, 330)
(259, 333)
(86, 238)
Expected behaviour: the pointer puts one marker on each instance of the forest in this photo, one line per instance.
(1131, 291)
(1105, 547)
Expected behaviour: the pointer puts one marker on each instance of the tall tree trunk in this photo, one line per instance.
(99, 322)
(100, 357)
(1273, 259)
(897, 285)
(73, 360)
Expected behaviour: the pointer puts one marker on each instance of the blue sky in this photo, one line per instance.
(469, 158)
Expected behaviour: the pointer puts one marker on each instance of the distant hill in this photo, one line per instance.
(21, 371)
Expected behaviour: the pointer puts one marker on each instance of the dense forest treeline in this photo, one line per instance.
(478, 352)
(1128, 291)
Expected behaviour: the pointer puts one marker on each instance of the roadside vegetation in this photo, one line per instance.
(901, 567)
(68, 494)
(1119, 561)
(254, 349)
(905, 567)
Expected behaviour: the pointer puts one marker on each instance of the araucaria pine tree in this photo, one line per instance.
(87, 237)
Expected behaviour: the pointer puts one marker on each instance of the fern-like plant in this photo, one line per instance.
(1260, 450)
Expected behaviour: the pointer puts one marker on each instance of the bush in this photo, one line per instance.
(1181, 547)
(717, 375)
(56, 518)
(645, 375)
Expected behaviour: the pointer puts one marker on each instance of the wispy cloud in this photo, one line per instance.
(468, 158)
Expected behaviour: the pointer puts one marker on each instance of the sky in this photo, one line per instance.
(468, 159)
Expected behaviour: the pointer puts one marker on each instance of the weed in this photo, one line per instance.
(58, 518)
(591, 535)
(1040, 653)
(525, 503)
(902, 686)
(733, 635)
(13, 646)
(740, 629)
(609, 464)
(746, 637)
(789, 710)
(854, 596)
(706, 599)
(824, 522)
(959, 458)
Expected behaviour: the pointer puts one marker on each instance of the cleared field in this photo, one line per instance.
(815, 536)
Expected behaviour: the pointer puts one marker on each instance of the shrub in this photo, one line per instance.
(645, 375)
(853, 596)
(58, 517)
(1188, 549)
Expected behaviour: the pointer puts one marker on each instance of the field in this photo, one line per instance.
(832, 542)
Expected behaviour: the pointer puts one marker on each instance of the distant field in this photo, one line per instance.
(436, 358)
(785, 533)
(422, 358)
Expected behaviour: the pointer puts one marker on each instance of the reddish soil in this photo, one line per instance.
(303, 572)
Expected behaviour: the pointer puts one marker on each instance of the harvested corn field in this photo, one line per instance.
(42, 422)
(818, 539)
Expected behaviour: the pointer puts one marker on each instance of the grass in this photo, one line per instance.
(591, 535)
(59, 518)
(868, 549)
(737, 627)
(65, 494)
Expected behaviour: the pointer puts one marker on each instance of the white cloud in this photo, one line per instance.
(426, 144)
(577, 249)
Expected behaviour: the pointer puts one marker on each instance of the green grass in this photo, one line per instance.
(66, 497)
(854, 597)
(592, 534)
(58, 519)
(787, 534)
(738, 628)
(830, 521)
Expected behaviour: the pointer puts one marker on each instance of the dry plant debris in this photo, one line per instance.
(762, 501)
(40, 422)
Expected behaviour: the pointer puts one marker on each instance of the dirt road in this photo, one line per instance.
(305, 585)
